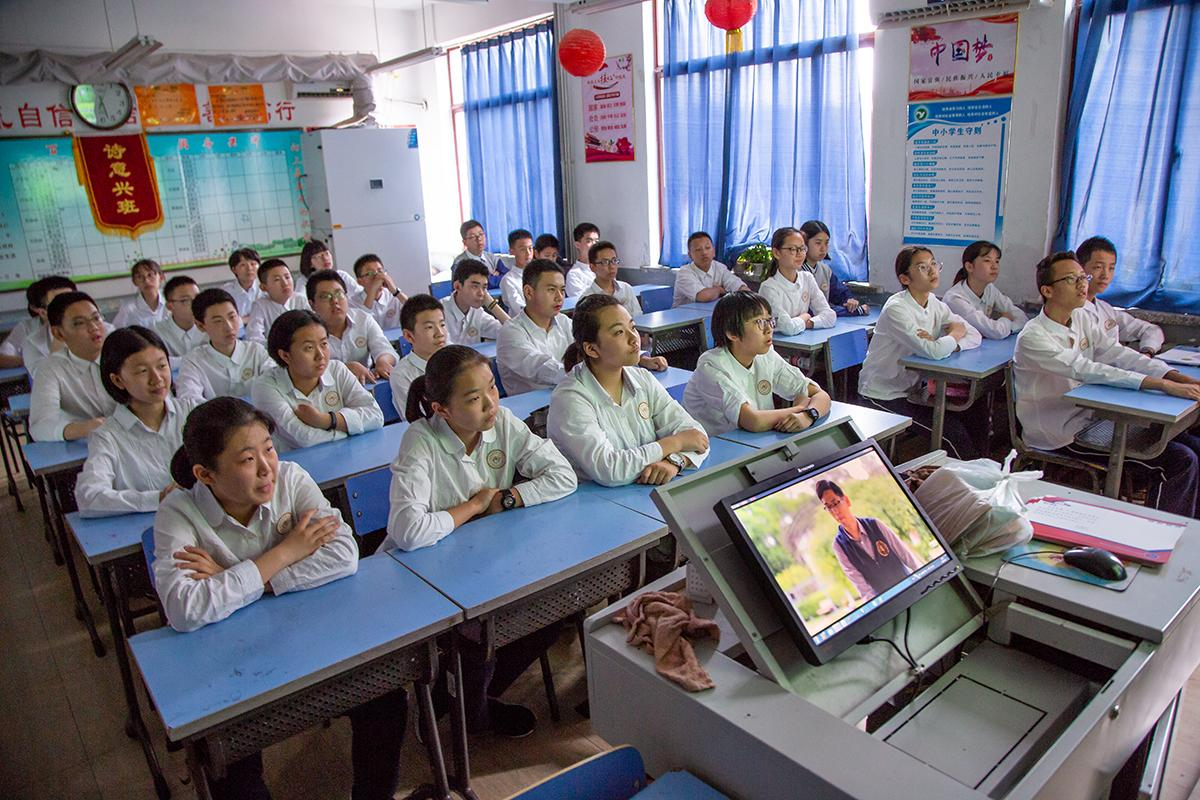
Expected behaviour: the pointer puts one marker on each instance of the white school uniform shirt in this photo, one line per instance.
(624, 294)
(433, 472)
(579, 277)
(883, 377)
(470, 328)
(11, 346)
(178, 341)
(715, 393)
(194, 517)
(611, 443)
(128, 464)
(244, 298)
(362, 340)
(265, 311)
(40, 342)
(135, 311)
(789, 300)
(66, 389)
(981, 312)
(411, 367)
(1052, 359)
(512, 291)
(491, 260)
(1124, 327)
(690, 280)
(385, 310)
(338, 391)
(531, 358)
(205, 373)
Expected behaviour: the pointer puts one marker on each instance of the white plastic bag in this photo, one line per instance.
(976, 505)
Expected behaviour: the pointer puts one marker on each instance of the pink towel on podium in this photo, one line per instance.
(662, 623)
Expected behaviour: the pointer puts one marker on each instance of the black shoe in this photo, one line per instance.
(510, 721)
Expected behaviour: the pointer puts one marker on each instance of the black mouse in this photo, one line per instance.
(1095, 561)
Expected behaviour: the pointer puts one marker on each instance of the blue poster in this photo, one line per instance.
(954, 182)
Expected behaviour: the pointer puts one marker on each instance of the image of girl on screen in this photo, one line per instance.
(869, 552)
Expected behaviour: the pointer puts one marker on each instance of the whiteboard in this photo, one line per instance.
(219, 191)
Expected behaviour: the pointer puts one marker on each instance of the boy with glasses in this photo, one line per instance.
(178, 331)
(379, 296)
(475, 246)
(69, 399)
(355, 338)
(602, 257)
(148, 306)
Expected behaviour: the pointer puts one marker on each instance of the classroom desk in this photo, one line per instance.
(10, 376)
(283, 664)
(815, 342)
(864, 320)
(979, 367)
(872, 423)
(675, 330)
(16, 410)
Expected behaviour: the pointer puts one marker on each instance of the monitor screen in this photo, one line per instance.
(837, 543)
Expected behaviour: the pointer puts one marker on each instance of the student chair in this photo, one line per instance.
(440, 289)
(496, 375)
(656, 299)
(617, 774)
(843, 351)
(148, 554)
(382, 390)
(368, 496)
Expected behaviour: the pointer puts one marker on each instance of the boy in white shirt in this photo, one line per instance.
(423, 323)
(580, 276)
(604, 264)
(1099, 259)
(355, 338)
(379, 296)
(546, 246)
(279, 295)
(472, 314)
(915, 322)
(244, 288)
(735, 383)
(475, 246)
(31, 341)
(1065, 346)
(223, 365)
(975, 298)
(530, 348)
(69, 399)
(520, 247)
(147, 306)
(704, 279)
(178, 331)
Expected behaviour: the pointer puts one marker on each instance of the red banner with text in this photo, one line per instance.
(122, 189)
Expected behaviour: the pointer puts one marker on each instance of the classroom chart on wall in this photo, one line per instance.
(219, 191)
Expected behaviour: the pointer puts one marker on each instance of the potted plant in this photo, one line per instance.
(752, 263)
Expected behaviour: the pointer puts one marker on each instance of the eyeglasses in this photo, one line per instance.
(476, 237)
(765, 323)
(329, 297)
(795, 250)
(371, 274)
(608, 262)
(185, 301)
(1073, 279)
(87, 322)
(834, 504)
(927, 268)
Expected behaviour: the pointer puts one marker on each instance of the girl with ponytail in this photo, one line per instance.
(792, 292)
(975, 298)
(614, 420)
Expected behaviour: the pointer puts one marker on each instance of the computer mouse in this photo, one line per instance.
(1095, 561)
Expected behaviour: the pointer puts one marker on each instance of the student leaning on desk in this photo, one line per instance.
(244, 524)
(1065, 346)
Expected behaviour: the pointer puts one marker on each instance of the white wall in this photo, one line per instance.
(1039, 107)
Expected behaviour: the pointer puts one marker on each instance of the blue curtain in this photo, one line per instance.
(767, 137)
(1131, 159)
(511, 111)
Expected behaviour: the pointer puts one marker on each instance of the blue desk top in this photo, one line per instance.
(815, 338)
(18, 404)
(105, 538)
(13, 374)
(491, 562)
(331, 463)
(280, 645)
(872, 423)
(705, 308)
(1148, 406)
(638, 288)
(487, 349)
(991, 356)
(670, 318)
(866, 320)
(47, 458)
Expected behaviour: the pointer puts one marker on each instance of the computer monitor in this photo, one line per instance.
(839, 546)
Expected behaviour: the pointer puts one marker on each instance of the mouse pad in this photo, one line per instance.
(1053, 564)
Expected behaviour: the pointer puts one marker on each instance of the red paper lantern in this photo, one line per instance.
(581, 52)
(730, 16)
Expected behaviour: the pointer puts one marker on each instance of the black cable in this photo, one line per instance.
(908, 619)
(899, 652)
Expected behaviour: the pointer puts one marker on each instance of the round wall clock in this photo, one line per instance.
(103, 106)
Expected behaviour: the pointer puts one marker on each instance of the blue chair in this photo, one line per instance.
(148, 549)
(656, 299)
(496, 375)
(383, 396)
(618, 774)
(845, 350)
(368, 495)
(441, 289)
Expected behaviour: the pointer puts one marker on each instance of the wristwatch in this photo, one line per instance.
(678, 460)
(508, 500)
(395, 293)
(813, 414)
(491, 305)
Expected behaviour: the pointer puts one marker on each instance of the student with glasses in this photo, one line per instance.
(915, 322)
(792, 293)
(379, 296)
(602, 256)
(475, 247)
(1065, 346)
(69, 399)
(355, 338)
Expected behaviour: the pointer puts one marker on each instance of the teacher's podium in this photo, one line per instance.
(1029, 685)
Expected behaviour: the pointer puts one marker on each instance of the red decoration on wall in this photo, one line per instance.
(122, 188)
(581, 52)
(730, 16)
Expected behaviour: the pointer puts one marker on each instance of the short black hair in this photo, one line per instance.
(284, 328)
(536, 269)
(209, 298)
(464, 269)
(466, 227)
(118, 347)
(243, 254)
(732, 313)
(363, 260)
(583, 229)
(176, 282)
(265, 267)
(35, 295)
(1096, 244)
(546, 240)
(595, 249)
(320, 276)
(824, 486)
(517, 235)
(415, 305)
(145, 263)
(58, 306)
(1044, 271)
(697, 235)
(207, 432)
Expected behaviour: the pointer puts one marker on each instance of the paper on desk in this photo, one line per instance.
(1179, 355)
(1125, 533)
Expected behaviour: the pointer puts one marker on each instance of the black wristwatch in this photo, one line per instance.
(508, 500)
(813, 414)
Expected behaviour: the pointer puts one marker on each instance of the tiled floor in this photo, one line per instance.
(62, 711)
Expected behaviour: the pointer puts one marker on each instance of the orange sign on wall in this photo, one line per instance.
(168, 104)
(241, 104)
(122, 189)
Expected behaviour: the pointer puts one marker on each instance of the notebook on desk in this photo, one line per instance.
(1127, 534)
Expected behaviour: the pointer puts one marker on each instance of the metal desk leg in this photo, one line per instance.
(1116, 459)
(427, 719)
(10, 463)
(47, 523)
(195, 764)
(939, 413)
(828, 369)
(461, 779)
(82, 612)
(135, 727)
